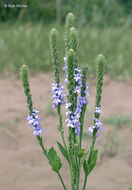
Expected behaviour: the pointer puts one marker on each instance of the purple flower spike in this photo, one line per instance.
(73, 117)
(97, 124)
(57, 94)
(33, 121)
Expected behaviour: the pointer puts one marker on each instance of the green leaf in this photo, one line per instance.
(93, 159)
(54, 160)
(89, 164)
(130, 188)
(85, 167)
(63, 151)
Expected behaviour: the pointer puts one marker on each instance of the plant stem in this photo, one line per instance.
(81, 128)
(45, 152)
(61, 130)
(71, 177)
(42, 146)
(62, 181)
(85, 181)
(78, 176)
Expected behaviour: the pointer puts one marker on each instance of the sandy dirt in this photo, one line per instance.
(22, 164)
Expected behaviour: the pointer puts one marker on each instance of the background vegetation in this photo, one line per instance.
(104, 27)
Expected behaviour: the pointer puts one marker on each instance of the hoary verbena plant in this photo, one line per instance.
(75, 100)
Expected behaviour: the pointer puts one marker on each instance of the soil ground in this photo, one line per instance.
(22, 164)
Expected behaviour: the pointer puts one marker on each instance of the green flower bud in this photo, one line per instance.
(74, 43)
(73, 39)
(24, 76)
(70, 72)
(100, 69)
(68, 24)
(54, 53)
(71, 94)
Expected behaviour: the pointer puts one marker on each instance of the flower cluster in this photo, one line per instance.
(97, 123)
(33, 121)
(78, 79)
(57, 94)
(73, 117)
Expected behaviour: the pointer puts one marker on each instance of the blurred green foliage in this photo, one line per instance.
(28, 43)
(95, 12)
(107, 29)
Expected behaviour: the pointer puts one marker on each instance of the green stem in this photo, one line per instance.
(61, 181)
(71, 177)
(78, 177)
(81, 127)
(42, 146)
(85, 181)
(61, 130)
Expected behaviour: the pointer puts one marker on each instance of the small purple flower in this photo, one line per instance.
(86, 93)
(82, 100)
(33, 121)
(79, 108)
(90, 130)
(78, 70)
(66, 79)
(68, 105)
(98, 123)
(97, 135)
(98, 110)
(77, 90)
(57, 94)
(65, 61)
